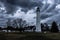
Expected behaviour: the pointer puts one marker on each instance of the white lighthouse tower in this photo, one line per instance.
(38, 26)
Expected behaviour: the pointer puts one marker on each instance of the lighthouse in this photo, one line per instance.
(38, 26)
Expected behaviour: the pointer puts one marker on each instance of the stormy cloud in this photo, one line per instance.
(11, 5)
(26, 8)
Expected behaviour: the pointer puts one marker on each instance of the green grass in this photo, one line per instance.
(53, 35)
(29, 36)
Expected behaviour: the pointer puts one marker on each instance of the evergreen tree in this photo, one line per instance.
(54, 27)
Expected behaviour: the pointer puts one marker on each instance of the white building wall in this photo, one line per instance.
(38, 26)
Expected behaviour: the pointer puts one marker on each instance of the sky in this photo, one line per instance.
(26, 9)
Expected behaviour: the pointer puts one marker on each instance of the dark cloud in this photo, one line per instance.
(45, 16)
(9, 7)
(24, 9)
(46, 6)
(24, 4)
(52, 8)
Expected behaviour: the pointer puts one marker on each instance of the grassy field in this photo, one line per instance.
(29, 36)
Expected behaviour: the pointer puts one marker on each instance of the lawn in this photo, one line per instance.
(29, 36)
